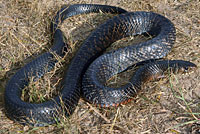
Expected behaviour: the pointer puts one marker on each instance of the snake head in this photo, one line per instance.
(186, 66)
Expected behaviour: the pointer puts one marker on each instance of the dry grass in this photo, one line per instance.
(171, 105)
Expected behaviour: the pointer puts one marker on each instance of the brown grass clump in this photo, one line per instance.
(171, 105)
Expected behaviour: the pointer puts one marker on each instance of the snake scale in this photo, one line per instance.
(89, 69)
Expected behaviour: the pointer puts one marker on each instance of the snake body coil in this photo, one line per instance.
(126, 24)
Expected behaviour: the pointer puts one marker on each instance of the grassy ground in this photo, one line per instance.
(171, 105)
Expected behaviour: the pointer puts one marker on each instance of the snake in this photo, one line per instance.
(90, 68)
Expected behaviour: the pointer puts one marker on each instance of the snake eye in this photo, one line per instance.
(186, 69)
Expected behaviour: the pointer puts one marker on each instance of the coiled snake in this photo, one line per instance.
(91, 83)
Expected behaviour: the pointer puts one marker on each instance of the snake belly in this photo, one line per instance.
(124, 25)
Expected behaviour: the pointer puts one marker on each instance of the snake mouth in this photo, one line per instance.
(187, 69)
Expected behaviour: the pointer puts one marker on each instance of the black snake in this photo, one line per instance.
(90, 84)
